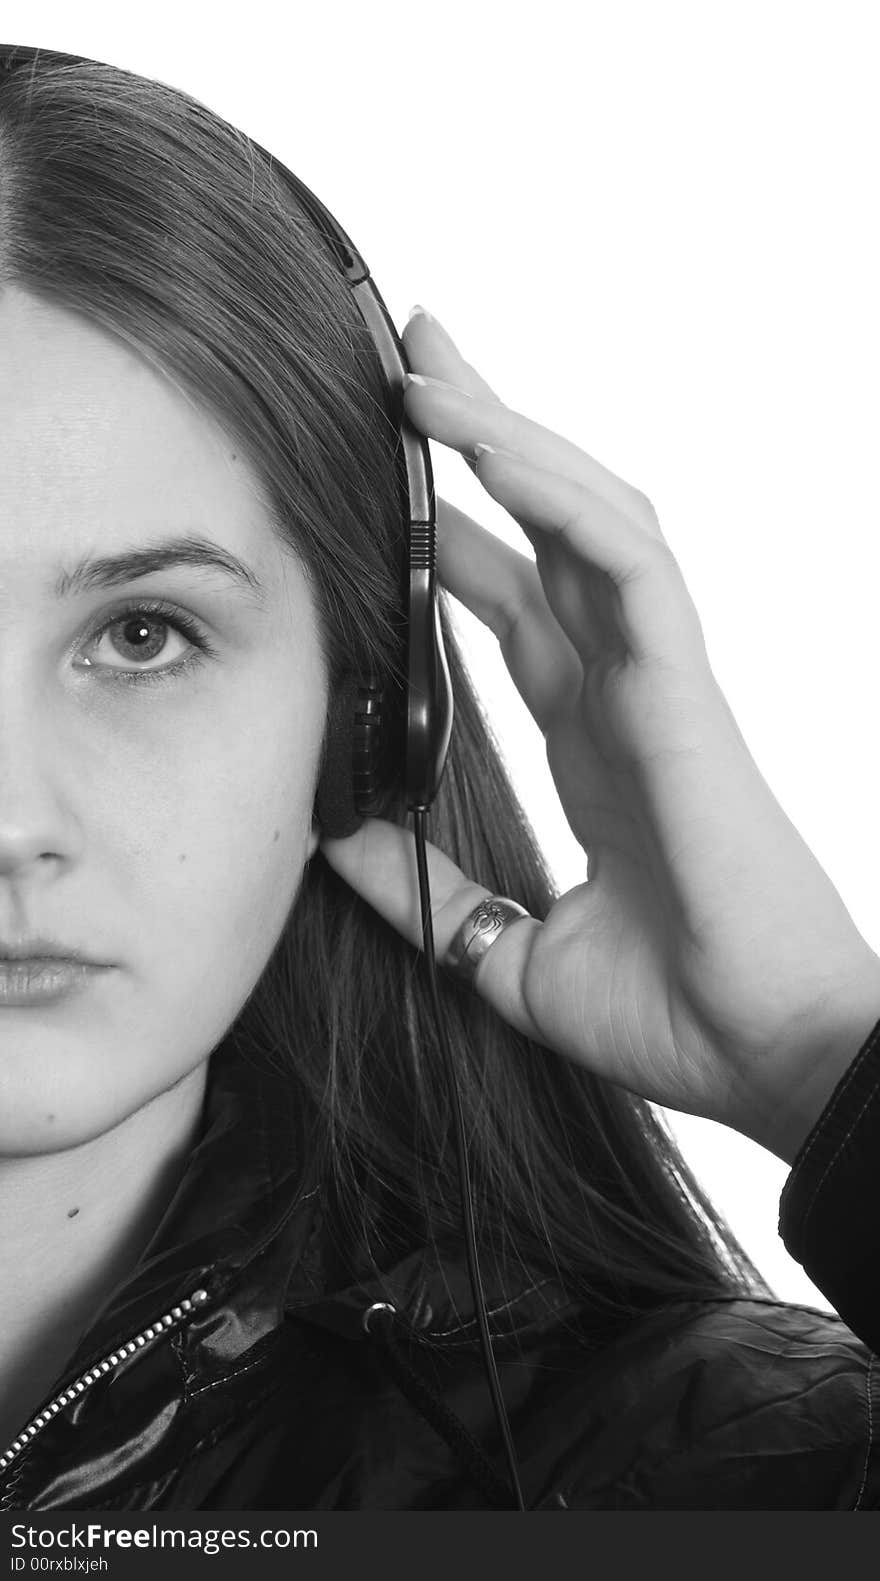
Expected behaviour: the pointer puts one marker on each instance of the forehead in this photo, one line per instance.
(98, 448)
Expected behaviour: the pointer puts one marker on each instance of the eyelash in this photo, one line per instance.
(184, 624)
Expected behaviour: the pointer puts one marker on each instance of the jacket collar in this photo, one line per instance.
(247, 1224)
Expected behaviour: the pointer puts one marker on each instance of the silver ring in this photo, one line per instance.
(481, 928)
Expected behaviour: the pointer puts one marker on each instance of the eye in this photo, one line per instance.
(141, 634)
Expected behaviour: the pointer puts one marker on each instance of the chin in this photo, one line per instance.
(53, 1103)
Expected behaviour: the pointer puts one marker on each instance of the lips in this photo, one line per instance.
(30, 960)
(43, 949)
(37, 969)
(27, 982)
(37, 963)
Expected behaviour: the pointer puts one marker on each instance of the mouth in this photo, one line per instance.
(35, 979)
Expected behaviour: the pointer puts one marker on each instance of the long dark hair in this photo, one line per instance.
(129, 202)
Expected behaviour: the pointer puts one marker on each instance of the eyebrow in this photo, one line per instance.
(112, 570)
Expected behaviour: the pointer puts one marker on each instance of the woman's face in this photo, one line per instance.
(155, 816)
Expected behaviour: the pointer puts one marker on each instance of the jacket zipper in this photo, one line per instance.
(168, 1320)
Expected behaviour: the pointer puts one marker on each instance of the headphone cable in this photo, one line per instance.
(461, 1149)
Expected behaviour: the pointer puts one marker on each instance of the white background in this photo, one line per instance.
(652, 227)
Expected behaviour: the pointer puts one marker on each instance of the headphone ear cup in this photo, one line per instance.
(335, 808)
(352, 778)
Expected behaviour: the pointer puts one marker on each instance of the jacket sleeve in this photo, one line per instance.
(829, 1211)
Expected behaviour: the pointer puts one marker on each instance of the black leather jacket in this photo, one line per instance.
(229, 1371)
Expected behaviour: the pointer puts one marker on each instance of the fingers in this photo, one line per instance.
(432, 351)
(379, 863)
(464, 409)
(588, 521)
(654, 608)
(504, 590)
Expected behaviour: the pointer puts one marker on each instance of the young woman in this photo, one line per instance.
(233, 1266)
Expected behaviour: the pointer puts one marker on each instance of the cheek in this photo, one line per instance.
(222, 851)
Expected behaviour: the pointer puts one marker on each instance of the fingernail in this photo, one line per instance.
(418, 309)
(437, 384)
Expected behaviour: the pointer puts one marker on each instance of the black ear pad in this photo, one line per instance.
(335, 808)
(365, 745)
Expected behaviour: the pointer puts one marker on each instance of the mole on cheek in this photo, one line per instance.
(72, 1213)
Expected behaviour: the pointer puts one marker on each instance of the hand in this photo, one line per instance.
(708, 964)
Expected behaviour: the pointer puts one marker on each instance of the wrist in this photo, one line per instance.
(782, 1116)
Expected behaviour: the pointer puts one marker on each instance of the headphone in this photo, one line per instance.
(377, 740)
(380, 739)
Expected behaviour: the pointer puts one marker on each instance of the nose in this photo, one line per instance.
(37, 823)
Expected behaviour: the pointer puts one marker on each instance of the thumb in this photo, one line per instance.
(378, 861)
